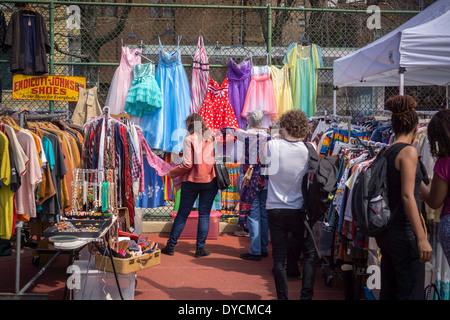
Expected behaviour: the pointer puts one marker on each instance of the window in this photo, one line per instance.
(159, 12)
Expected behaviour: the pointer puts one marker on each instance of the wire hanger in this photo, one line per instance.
(168, 31)
(304, 40)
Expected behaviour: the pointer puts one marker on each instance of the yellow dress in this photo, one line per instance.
(6, 195)
(282, 88)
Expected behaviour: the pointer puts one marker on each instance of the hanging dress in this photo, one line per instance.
(165, 129)
(304, 62)
(122, 79)
(216, 110)
(144, 95)
(282, 88)
(200, 77)
(239, 76)
(87, 106)
(260, 95)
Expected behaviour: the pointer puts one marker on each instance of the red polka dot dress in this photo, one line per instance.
(216, 110)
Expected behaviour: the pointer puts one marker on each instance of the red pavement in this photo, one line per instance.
(221, 276)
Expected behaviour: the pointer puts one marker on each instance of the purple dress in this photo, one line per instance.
(239, 76)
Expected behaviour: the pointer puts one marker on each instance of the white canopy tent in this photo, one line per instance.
(415, 54)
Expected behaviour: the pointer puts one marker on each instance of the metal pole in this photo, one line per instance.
(335, 89)
(18, 249)
(401, 72)
(269, 32)
(52, 46)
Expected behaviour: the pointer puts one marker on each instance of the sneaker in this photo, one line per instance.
(249, 256)
(264, 254)
(201, 252)
(241, 233)
(168, 249)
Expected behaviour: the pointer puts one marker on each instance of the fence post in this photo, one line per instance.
(52, 46)
(269, 32)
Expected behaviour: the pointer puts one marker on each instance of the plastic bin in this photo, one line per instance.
(95, 284)
(190, 229)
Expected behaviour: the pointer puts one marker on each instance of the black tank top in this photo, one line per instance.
(395, 187)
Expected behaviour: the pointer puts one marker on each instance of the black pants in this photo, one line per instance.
(402, 273)
(281, 223)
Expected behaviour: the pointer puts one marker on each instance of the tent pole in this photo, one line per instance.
(335, 89)
(401, 72)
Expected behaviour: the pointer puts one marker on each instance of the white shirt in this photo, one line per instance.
(287, 164)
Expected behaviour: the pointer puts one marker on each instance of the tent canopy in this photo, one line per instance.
(421, 46)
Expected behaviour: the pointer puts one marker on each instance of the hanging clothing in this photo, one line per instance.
(165, 129)
(87, 106)
(304, 61)
(200, 77)
(282, 88)
(28, 38)
(122, 79)
(260, 95)
(216, 110)
(6, 194)
(144, 96)
(239, 76)
(153, 194)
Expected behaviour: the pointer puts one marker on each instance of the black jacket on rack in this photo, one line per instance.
(29, 47)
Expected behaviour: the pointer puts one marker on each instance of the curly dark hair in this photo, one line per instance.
(296, 123)
(439, 134)
(404, 116)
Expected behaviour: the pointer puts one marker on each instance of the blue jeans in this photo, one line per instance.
(206, 192)
(257, 224)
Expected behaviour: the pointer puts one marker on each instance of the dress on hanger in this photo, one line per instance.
(304, 62)
(239, 75)
(200, 77)
(260, 95)
(216, 110)
(122, 79)
(165, 129)
(144, 95)
(87, 106)
(282, 88)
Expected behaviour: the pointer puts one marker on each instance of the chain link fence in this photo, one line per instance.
(87, 38)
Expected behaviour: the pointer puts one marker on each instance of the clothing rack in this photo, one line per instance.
(23, 115)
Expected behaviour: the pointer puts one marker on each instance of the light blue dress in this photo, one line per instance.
(165, 129)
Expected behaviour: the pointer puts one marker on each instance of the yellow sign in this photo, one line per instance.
(47, 87)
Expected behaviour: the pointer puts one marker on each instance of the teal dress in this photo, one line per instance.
(165, 129)
(144, 96)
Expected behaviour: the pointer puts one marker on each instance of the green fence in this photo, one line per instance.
(86, 39)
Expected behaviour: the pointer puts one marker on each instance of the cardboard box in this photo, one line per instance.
(190, 229)
(129, 265)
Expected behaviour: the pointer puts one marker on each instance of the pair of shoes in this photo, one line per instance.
(264, 254)
(168, 249)
(249, 256)
(201, 252)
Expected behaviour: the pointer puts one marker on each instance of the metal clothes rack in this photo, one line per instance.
(20, 293)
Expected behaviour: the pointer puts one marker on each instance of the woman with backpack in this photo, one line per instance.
(439, 194)
(404, 245)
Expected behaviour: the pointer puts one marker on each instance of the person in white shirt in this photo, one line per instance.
(287, 162)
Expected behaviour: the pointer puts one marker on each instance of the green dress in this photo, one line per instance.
(303, 62)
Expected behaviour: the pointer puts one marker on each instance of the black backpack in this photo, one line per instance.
(370, 206)
(319, 185)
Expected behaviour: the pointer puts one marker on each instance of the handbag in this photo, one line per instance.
(222, 176)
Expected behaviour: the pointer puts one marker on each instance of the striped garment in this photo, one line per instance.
(200, 77)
